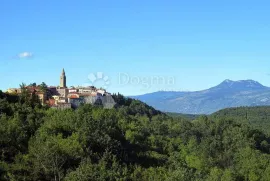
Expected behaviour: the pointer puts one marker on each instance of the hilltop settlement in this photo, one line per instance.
(63, 97)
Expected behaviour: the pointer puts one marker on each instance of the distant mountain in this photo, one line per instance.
(227, 94)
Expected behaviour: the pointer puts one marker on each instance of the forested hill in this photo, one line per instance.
(132, 141)
(186, 116)
(258, 117)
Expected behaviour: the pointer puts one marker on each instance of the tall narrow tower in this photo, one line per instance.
(63, 79)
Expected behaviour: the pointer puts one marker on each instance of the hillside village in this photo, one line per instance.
(63, 97)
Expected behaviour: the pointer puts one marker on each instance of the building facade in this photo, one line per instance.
(62, 97)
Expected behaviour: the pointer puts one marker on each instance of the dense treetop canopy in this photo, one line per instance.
(132, 141)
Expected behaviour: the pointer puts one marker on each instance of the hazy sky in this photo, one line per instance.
(157, 45)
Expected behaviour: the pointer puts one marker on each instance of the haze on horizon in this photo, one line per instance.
(196, 43)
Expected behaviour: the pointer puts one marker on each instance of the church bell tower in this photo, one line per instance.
(63, 79)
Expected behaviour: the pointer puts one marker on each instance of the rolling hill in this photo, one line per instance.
(258, 116)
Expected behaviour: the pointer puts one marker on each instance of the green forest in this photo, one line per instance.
(258, 117)
(132, 141)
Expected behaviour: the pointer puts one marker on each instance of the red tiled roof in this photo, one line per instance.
(73, 96)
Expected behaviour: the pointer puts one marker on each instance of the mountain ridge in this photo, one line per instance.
(224, 95)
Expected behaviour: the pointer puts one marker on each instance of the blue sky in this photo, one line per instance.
(196, 43)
